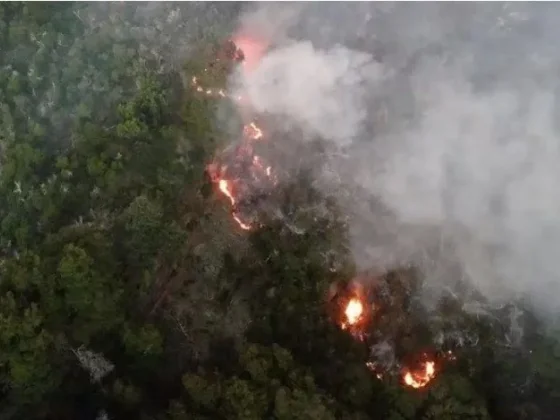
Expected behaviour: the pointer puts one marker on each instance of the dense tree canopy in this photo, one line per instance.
(126, 290)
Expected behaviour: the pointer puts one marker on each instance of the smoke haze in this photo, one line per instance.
(444, 114)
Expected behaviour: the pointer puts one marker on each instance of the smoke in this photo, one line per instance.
(277, 84)
(443, 119)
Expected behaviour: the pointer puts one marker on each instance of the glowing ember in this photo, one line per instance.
(215, 93)
(421, 377)
(252, 131)
(372, 366)
(450, 356)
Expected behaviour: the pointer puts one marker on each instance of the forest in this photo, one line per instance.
(144, 273)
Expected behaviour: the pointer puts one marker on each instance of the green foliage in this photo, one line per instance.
(144, 341)
(203, 392)
(240, 400)
(128, 394)
(268, 382)
(89, 298)
(299, 405)
(25, 356)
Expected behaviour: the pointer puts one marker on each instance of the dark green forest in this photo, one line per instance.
(128, 291)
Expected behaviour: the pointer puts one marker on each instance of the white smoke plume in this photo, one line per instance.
(276, 87)
(446, 116)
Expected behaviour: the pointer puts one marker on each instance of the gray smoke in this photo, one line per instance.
(445, 116)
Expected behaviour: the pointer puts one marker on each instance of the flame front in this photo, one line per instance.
(246, 171)
(421, 377)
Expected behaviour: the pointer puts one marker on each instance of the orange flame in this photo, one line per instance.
(241, 223)
(354, 315)
(225, 187)
(421, 377)
(353, 312)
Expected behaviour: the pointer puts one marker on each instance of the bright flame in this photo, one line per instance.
(353, 311)
(352, 317)
(225, 187)
(241, 223)
(421, 377)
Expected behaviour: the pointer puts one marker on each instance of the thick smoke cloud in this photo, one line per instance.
(277, 85)
(443, 115)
